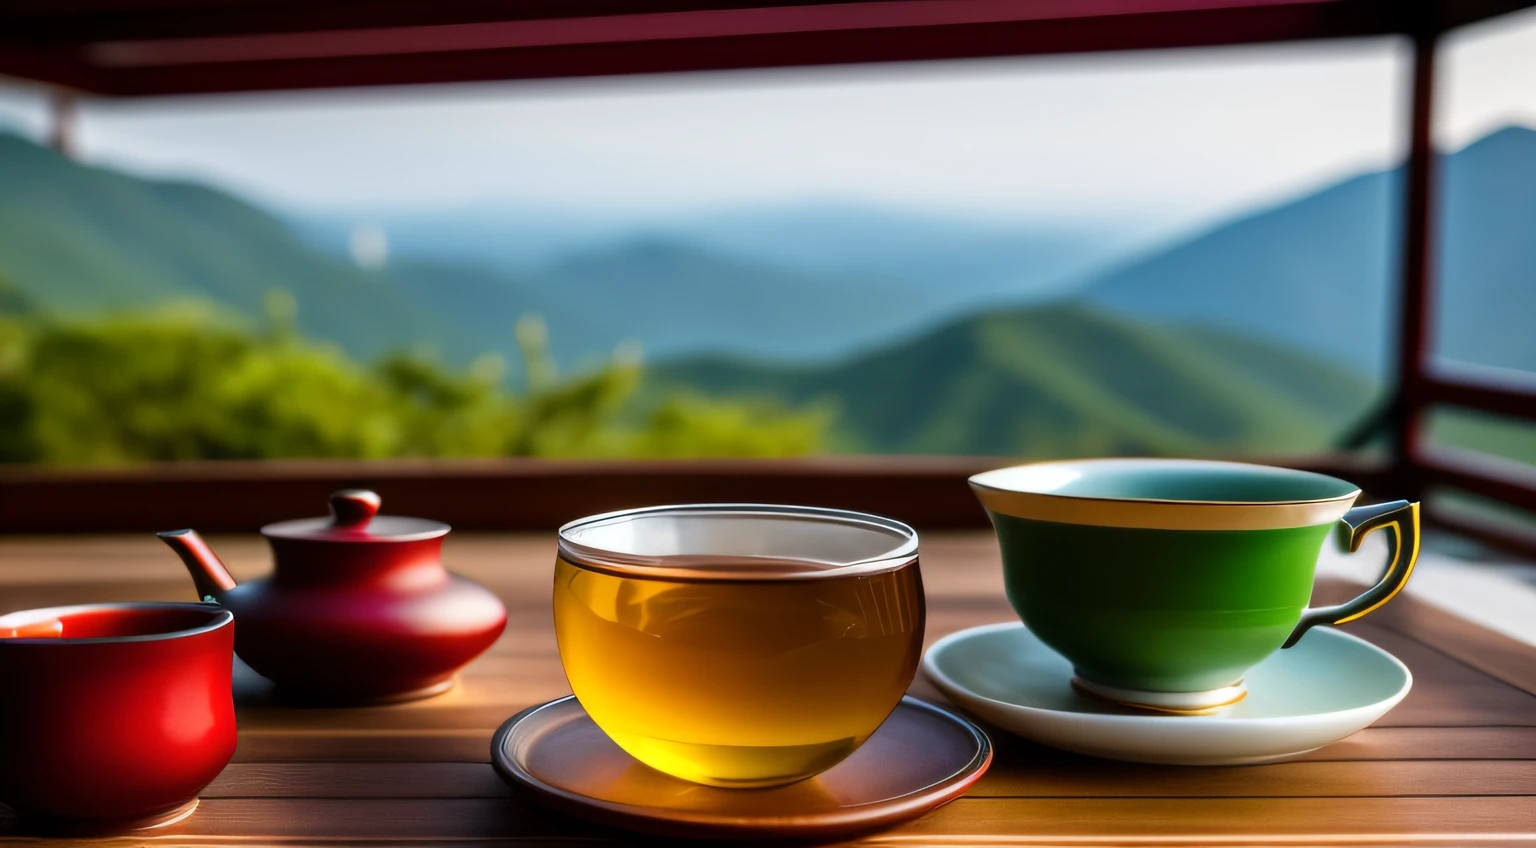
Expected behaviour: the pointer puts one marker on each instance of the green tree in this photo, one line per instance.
(186, 383)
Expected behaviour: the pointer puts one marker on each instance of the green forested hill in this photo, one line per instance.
(76, 239)
(1062, 380)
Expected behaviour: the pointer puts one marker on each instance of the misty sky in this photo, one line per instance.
(1170, 137)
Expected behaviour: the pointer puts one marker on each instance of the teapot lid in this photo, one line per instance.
(354, 518)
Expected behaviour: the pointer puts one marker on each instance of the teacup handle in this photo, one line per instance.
(1402, 517)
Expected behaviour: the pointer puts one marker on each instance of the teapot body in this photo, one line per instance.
(361, 620)
(359, 608)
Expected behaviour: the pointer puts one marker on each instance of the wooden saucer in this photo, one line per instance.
(922, 757)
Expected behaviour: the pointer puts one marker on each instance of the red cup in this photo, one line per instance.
(114, 716)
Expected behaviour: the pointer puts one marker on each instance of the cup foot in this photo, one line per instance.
(58, 826)
(1172, 703)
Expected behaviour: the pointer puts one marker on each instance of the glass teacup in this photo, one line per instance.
(738, 645)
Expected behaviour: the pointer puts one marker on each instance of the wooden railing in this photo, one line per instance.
(510, 494)
(1422, 384)
(1488, 389)
(534, 494)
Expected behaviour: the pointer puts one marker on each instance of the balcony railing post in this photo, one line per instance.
(1417, 293)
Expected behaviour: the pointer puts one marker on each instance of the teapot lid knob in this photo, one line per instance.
(353, 508)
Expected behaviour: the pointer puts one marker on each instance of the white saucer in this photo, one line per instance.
(1328, 686)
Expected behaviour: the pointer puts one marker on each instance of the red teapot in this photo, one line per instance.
(359, 608)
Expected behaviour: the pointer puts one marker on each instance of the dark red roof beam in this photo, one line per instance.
(767, 37)
(74, 22)
(1457, 13)
(64, 22)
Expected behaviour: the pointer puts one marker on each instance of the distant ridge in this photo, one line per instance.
(81, 239)
(78, 239)
(1488, 254)
(1319, 273)
(1062, 380)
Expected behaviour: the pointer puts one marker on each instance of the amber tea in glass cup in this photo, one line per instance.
(738, 645)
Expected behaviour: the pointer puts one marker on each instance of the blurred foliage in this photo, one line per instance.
(185, 383)
(12, 300)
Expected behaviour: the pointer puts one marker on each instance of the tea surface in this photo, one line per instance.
(739, 683)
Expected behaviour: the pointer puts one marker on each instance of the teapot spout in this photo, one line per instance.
(208, 572)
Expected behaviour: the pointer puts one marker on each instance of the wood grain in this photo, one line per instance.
(349, 745)
(357, 780)
(1085, 777)
(473, 746)
(1492, 653)
(1053, 778)
(1455, 763)
(1447, 691)
(968, 820)
(1131, 821)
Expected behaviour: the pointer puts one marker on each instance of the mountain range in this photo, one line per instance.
(957, 261)
(76, 238)
(671, 298)
(806, 282)
(1316, 272)
(1061, 380)
(80, 239)
(1268, 330)
(1319, 273)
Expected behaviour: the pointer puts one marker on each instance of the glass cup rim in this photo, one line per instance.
(743, 568)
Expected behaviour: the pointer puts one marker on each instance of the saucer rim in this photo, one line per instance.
(945, 683)
(844, 819)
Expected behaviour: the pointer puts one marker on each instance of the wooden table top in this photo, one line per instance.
(1455, 763)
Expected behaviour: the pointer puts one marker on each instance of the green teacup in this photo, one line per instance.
(1163, 581)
